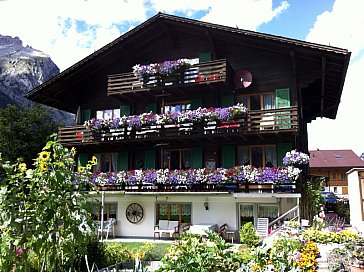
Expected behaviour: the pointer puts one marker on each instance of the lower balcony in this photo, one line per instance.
(252, 123)
(245, 179)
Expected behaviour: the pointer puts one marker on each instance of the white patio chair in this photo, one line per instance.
(262, 227)
(109, 226)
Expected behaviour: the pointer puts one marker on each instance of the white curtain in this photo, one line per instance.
(114, 161)
(268, 101)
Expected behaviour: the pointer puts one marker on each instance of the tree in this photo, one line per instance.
(24, 131)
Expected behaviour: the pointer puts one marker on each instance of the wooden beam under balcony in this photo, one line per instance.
(200, 74)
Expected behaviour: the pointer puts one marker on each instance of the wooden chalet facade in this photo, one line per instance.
(292, 83)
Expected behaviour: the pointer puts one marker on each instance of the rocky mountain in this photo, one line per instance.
(22, 68)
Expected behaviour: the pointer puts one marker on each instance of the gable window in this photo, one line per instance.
(180, 212)
(108, 114)
(176, 159)
(258, 155)
(257, 101)
(110, 211)
(177, 107)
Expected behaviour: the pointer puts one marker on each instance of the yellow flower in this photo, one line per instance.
(94, 160)
(22, 167)
(43, 166)
(81, 169)
(73, 151)
(44, 155)
(88, 166)
(71, 159)
(60, 164)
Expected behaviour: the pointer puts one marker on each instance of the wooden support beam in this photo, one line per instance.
(323, 79)
(212, 44)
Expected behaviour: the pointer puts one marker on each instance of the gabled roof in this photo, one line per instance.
(57, 92)
(334, 159)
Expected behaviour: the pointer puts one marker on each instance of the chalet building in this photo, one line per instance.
(189, 121)
(334, 164)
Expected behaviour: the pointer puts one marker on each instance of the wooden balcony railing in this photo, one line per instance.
(202, 73)
(255, 122)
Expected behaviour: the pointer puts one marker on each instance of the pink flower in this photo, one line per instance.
(19, 251)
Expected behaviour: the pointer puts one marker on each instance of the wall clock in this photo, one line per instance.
(134, 213)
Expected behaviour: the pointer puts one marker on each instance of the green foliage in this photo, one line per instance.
(116, 253)
(24, 131)
(312, 200)
(248, 235)
(196, 253)
(44, 212)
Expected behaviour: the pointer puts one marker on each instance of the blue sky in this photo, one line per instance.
(70, 30)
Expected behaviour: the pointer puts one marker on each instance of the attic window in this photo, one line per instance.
(337, 156)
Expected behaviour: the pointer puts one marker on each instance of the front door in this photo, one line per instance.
(246, 214)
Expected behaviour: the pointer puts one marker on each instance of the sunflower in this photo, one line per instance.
(81, 169)
(43, 166)
(73, 151)
(22, 167)
(94, 160)
(44, 155)
(88, 166)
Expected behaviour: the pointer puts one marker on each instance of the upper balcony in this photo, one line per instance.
(255, 123)
(201, 75)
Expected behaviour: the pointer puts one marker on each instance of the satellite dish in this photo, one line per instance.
(242, 79)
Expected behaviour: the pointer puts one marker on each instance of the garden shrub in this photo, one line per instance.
(325, 237)
(193, 252)
(116, 253)
(248, 235)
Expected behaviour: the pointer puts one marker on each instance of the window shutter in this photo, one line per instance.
(82, 159)
(123, 161)
(85, 115)
(282, 149)
(149, 160)
(196, 103)
(228, 156)
(283, 101)
(282, 98)
(125, 110)
(204, 57)
(196, 157)
(151, 107)
(227, 100)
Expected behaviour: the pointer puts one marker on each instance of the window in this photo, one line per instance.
(258, 156)
(110, 211)
(180, 212)
(176, 159)
(108, 114)
(268, 211)
(106, 162)
(177, 107)
(257, 101)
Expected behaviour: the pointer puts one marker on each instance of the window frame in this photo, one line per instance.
(261, 99)
(169, 204)
(107, 208)
(180, 157)
(180, 103)
(113, 113)
(263, 154)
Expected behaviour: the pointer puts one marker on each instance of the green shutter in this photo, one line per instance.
(282, 149)
(227, 100)
(196, 157)
(85, 115)
(196, 103)
(282, 97)
(123, 161)
(151, 107)
(204, 57)
(125, 110)
(82, 159)
(228, 156)
(149, 161)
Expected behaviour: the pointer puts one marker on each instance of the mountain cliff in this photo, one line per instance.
(22, 68)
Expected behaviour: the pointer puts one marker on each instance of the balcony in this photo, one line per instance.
(203, 74)
(254, 123)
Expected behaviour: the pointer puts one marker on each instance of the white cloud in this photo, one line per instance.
(50, 25)
(343, 27)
